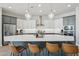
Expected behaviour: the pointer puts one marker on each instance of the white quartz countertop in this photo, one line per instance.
(33, 38)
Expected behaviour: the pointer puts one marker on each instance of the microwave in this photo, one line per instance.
(69, 27)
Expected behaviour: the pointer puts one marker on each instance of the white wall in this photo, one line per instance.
(0, 26)
(77, 26)
(58, 25)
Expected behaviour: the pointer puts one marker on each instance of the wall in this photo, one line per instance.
(58, 25)
(0, 26)
(77, 26)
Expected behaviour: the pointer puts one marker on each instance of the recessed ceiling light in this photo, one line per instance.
(68, 5)
(9, 7)
(54, 10)
(40, 10)
(39, 5)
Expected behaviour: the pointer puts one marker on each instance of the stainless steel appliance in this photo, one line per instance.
(69, 30)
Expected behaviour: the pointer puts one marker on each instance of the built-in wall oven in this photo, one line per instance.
(69, 30)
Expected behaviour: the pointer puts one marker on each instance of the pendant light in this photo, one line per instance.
(27, 15)
(51, 15)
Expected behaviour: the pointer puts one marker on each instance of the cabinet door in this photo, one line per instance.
(12, 29)
(20, 24)
(29, 24)
(13, 20)
(6, 19)
(48, 24)
(6, 29)
(69, 20)
(9, 29)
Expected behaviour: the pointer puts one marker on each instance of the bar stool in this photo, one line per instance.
(70, 49)
(15, 50)
(52, 48)
(34, 48)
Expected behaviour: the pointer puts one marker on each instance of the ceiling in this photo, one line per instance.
(19, 9)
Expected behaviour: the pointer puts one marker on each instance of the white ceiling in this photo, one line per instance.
(20, 8)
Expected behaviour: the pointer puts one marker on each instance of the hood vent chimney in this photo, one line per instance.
(39, 21)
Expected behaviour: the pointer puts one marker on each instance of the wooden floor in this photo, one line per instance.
(4, 51)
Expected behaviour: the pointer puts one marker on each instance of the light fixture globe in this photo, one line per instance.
(27, 15)
(51, 15)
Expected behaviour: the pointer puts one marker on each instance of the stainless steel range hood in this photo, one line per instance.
(39, 21)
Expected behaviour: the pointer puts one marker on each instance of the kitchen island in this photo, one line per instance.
(47, 37)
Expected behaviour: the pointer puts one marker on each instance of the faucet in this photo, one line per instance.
(40, 33)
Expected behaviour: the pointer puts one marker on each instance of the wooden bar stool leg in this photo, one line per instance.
(11, 53)
(48, 53)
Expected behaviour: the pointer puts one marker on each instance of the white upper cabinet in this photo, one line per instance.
(19, 24)
(29, 24)
(48, 24)
(56, 25)
(26, 24)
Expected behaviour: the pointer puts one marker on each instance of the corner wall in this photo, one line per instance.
(0, 26)
(77, 26)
